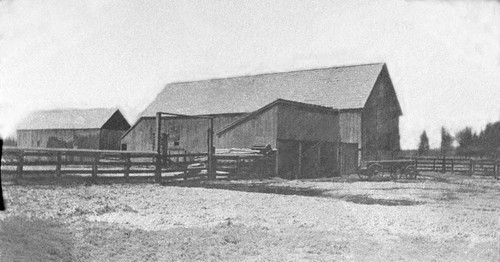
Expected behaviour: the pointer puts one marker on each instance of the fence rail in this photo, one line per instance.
(21, 162)
(486, 167)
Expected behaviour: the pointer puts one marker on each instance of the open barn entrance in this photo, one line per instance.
(307, 159)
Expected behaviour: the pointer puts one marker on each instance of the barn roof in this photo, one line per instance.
(67, 119)
(344, 87)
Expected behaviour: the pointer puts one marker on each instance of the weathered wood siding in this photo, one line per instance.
(350, 126)
(260, 130)
(307, 124)
(59, 138)
(110, 139)
(189, 134)
(308, 136)
(380, 121)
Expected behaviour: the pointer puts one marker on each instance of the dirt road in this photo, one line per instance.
(436, 218)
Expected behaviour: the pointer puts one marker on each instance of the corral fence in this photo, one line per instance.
(485, 167)
(33, 162)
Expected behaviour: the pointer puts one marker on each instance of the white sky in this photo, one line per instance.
(443, 56)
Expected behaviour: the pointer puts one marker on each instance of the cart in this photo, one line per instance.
(393, 169)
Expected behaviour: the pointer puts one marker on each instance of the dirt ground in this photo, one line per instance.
(439, 217)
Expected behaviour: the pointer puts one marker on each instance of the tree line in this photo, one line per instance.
(485, 143)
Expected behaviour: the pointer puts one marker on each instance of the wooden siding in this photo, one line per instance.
(188, 134)
(380, 122)
(305, 159)
(260, 130)
(59, 138)
(350, 126)
(110, 139)
(303, 124)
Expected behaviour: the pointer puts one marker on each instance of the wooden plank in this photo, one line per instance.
(7, 150)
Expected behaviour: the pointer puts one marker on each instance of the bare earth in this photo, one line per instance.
(439, 217)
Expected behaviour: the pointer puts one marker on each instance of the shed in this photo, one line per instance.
(305, 136)
(99, 128)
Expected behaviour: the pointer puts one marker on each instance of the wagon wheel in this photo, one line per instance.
(396, 172)
(363, 174)
(411, 172)
(374, 170)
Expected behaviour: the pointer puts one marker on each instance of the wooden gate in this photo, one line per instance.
(348, 158)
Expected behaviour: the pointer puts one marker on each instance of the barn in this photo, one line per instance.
(363, 97)
(99, 128)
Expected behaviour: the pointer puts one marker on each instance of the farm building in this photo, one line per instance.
(363, 96)
(73, 128)
(306, 136)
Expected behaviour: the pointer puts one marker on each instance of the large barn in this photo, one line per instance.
(363, 97)
(73, 128)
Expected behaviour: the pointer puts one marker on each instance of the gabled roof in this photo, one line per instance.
(344, 87)
(269, 106)
(67, 119)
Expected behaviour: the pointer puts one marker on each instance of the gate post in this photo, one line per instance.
(211, 173)
(20, 163)
(300, 162)
(158, 148)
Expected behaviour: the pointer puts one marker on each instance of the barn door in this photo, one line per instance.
(348, 158)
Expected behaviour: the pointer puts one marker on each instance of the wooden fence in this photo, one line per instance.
(32, 162)
(487, 167)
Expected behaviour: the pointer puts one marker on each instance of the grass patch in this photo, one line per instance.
(33, 239)
(223, 242)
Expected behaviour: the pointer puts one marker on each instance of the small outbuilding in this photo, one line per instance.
(73, 128)
(305, 136)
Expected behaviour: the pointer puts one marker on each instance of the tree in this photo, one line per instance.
(466, 139)
(446, 141)
(423, 147)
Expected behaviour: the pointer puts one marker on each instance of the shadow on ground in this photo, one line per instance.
(268, 188)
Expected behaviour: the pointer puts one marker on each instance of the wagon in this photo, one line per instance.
(388, 168)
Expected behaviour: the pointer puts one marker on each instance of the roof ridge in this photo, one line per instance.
(273, 73)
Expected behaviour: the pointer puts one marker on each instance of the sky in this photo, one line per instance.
(443, 56)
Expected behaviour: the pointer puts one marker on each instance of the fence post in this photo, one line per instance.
(20, 162)
(444, 165)
(452, 165)
(237, 168)
(158, 168)
(127, 167)
(94, 165)
(211, 172)
(434, 164)
(416, 163)
(58, 164)
(496, 169)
